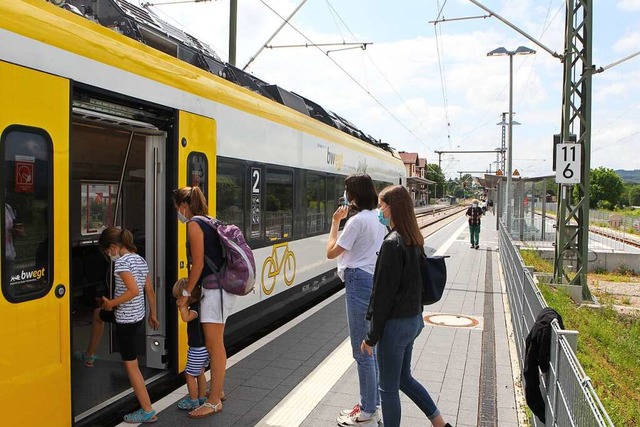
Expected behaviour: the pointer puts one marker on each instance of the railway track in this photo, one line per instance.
(602, 232)
(426, 219)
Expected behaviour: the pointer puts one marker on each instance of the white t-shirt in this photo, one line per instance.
(361, 239)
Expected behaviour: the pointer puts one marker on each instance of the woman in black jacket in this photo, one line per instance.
(395, 308)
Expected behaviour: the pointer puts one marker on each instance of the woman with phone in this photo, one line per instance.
(356, 252)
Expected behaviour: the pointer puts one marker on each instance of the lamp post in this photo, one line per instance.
(501, 51)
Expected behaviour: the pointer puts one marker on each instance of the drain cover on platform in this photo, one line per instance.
(451, 320)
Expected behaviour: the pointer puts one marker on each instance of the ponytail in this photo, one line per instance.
(198, 203)
(116, 236)
(193, 197)
(126, 240)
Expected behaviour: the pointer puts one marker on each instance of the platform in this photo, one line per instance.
(303, 373)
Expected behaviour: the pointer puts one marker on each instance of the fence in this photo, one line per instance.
(570, 399)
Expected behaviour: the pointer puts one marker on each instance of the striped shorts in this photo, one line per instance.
(197, 360)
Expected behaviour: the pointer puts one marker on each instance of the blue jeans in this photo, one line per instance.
(394, 358)
(358, 285)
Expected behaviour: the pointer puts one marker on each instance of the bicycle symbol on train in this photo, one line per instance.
(274, 265)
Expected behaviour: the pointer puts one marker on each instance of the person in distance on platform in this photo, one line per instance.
(127, 310)
(395, 308)
(356, 252)
(197, 355)
(216, 304)
(474, 213)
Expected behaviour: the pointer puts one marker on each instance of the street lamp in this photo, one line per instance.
(501, 51)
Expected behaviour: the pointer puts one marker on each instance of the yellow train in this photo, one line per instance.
(104, 110)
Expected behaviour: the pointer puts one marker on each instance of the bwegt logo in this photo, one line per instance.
(28, 275)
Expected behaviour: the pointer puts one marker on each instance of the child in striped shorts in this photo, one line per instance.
(197, 355)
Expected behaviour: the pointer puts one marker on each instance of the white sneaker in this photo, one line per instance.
(356, 418)
(346, 412)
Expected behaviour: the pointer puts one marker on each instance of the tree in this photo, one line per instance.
(605, 187)
(633, 193)
(434, 173)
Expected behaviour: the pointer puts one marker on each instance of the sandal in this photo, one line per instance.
(223, 397)
(189, 404)
(141, 416)
(87, 360)
(215, 409)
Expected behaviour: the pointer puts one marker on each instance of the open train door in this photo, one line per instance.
(35, 374)
(196, 167)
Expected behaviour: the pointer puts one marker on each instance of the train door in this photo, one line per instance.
(118, 178)
(34, 261)
(196, 167)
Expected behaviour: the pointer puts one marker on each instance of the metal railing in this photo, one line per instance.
(570, 399)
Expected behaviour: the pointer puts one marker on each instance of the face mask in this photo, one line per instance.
(346, 200)
(183, 219)
(475, 205)
(114, 257)
(384, 221)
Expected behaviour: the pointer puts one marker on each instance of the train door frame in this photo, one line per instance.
(35, 325)
(197, 141)
(156, 143)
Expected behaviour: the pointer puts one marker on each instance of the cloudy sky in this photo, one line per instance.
(424, 87)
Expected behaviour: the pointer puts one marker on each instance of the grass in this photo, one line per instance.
(532, 258)
(609, 352)
(608, 343)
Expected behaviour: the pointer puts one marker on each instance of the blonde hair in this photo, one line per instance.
(181, 285)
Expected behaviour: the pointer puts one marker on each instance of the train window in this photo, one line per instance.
(27, 232)
(230, 193)
(380, 185)
(98, 205)
(279, 204)
(198, 171)
(315, 203)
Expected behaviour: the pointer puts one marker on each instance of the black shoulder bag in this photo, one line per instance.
(434, 277)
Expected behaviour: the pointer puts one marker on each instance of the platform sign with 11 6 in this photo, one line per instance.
(568, 163)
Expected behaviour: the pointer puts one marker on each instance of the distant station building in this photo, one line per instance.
(417, 184)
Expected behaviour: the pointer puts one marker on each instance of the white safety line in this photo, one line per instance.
(180, 392)
(454, 236)
(299, 403)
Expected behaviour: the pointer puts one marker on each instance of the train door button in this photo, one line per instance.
(60, 291)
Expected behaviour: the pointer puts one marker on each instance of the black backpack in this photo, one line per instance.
(434, 277)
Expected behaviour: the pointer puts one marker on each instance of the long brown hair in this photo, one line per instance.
(116, 236)
(403, 214)
(193, 197)
(361, 191)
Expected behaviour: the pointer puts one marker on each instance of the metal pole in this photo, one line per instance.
(510, 146)
(233, 29)
(285, 22)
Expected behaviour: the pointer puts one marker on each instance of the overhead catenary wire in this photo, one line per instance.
(351, 77)
(443, 84)
(384, 76)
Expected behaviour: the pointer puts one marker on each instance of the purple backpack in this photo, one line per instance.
(238, 272)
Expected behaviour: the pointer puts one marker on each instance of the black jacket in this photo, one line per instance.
(538, 347)
(397, 285)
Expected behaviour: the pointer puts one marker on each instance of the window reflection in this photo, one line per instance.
(26, 264)
(279, 204)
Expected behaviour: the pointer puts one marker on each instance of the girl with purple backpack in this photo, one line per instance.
(216, 304)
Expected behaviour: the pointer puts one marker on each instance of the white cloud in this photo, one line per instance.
(629, 43)
(632, 5)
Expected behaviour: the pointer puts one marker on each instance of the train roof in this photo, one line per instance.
(141, 24)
